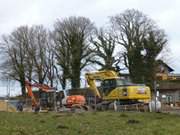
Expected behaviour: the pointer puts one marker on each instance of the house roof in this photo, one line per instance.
(170, 69)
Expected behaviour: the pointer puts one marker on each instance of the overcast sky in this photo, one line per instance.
(14, 13)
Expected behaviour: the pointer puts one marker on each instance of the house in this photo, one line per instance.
(168, 84)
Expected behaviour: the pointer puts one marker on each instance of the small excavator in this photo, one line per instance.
(43, 87)
(116, 89)
(72, 101)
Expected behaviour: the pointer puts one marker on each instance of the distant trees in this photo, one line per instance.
(72, 46)
(153, 44)
(16, 63)
(104, 50)
(25, 53)
(137, 33)
(36, 53)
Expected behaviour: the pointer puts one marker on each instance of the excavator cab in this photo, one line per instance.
(113, 87)
(47, 100)
(108, 85)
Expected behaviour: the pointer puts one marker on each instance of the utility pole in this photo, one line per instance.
(8, 93)
(55, 101)
(95, 102)
(155, 94)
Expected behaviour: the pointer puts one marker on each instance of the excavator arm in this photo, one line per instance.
(100, 75)
(43, 87)
(30, 93)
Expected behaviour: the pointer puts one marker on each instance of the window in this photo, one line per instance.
(108, 85)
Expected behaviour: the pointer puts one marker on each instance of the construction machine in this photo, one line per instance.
(72, 101)
(45, 88)
(114, 88)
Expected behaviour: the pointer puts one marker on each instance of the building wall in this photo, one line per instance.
(170, 96)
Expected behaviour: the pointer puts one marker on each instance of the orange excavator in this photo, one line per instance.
(42, 87)
(71, 101)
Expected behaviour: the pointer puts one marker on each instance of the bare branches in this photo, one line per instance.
(136, 32)
(104, 50)
(34, 53)
(16, 45)
(72, 47)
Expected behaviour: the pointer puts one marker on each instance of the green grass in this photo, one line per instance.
(91, 123)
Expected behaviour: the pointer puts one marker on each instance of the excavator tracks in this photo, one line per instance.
(104, 106)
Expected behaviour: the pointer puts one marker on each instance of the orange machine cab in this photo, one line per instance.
(75, 100)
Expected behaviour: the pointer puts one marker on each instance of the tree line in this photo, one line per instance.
(131, 40)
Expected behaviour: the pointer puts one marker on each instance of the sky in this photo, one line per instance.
(165, 13)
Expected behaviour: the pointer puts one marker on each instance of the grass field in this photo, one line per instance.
(92, 123)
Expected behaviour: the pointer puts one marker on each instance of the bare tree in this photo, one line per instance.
(51, 65)
(16, 64)
(105, 54)
(38, 52)
(135, 32)
(72, 46)
(62, 53)
(28, 56)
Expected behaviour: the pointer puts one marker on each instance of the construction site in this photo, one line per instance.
(116, 92)
(82, 112)
(89, 67)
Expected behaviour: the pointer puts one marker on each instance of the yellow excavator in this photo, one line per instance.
(115, 88)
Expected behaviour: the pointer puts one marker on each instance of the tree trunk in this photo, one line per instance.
(63, 84)
(23, 89)
(75, 80)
